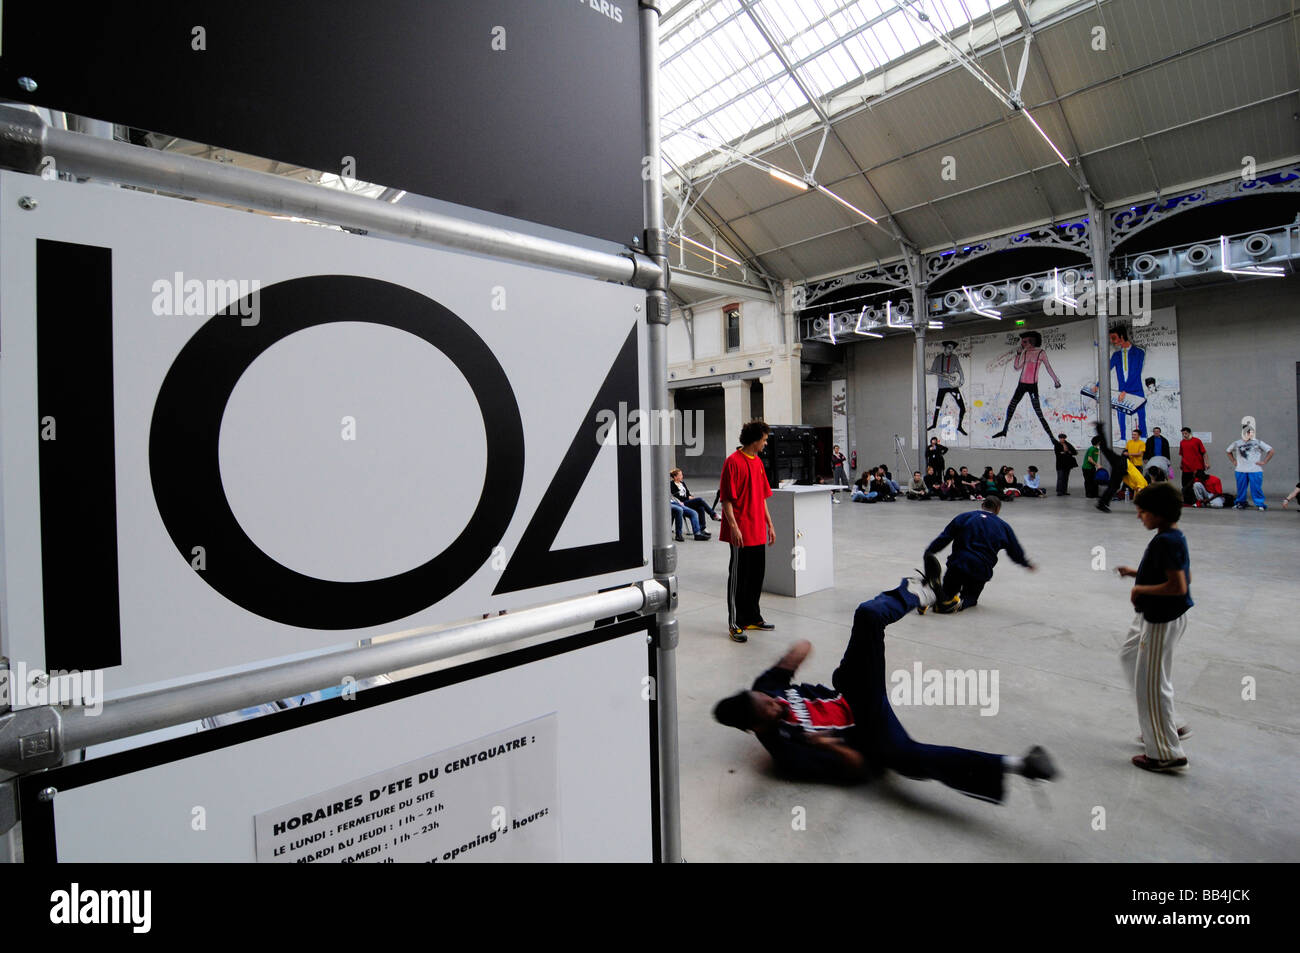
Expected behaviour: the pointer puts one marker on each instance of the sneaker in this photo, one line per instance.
(933, 572)
(1262, 508)
(1150, 764)
(1103, 507)
(920, 589)
(1038, 765)
(738, 634)
(760, 626)
(702, 536)
(1183, 732)
(949, 607)
(679, 537)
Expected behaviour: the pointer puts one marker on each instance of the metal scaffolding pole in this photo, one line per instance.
(70, 730)
(25, 140)
(665, 553)
(1099, 241)
(920, 319)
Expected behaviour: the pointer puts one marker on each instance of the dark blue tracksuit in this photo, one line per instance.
(976, 537)
(875, 732)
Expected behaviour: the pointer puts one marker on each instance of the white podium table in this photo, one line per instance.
(803, 558)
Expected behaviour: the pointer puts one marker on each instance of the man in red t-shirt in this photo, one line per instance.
(1192, 454)
(747, 527)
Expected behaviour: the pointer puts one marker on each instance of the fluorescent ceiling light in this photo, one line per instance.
(982, 311)
(848, 205)
(712, 251)
(698, 255)
(786, 177)
(858, 329)
(1046, 138)
(1058, 295)
(1261, 271)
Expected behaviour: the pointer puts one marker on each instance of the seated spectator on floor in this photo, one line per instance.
(1030, 487)
(885, 488)
(862, 492)
(888, 477)
(917, 490)
(989, 484)
(1209, 491)
(950, 489)
(1007, 484)
(971, 484)
(932, 482)
(682, 494)
(1291, 496)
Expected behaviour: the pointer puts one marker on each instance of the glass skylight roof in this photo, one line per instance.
(721, 79)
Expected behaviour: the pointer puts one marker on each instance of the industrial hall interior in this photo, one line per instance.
(650, 430)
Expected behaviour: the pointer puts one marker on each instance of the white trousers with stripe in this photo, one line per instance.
(1148, 658)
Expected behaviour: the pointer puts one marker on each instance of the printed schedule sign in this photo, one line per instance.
(493, 799)
(544, 753)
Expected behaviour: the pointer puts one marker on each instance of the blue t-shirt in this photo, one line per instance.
(1167, 551)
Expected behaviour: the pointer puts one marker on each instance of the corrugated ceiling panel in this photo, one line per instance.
(977, 159)
(725, 200)
(753, 234)
(1102, 117)
(996, 208)
(1068, 51)
(838, 253)
(1237, 72)
(781, 265)
(1216, 147)
(906, 183)
(808, 215)
(1145, 32)
(869, 138)
(1117, 173)
(946, 106)
(835, 164)
(924, 227)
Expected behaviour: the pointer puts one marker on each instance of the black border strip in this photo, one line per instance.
(39, 841)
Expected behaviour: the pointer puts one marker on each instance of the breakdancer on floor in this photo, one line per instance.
(850, 732)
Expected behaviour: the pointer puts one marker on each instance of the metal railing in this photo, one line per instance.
(25, 141)
(36, 738)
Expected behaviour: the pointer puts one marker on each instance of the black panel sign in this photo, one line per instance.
(74, 372)
(528, 108)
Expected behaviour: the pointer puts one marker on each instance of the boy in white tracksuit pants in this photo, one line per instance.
(1161, 596)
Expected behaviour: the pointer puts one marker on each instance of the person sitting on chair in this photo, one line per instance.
(682, 494)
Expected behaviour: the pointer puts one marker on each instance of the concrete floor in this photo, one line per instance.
(1053, 637)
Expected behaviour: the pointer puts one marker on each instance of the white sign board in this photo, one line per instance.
(545, 753)
(228, 438)
(431, 809)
